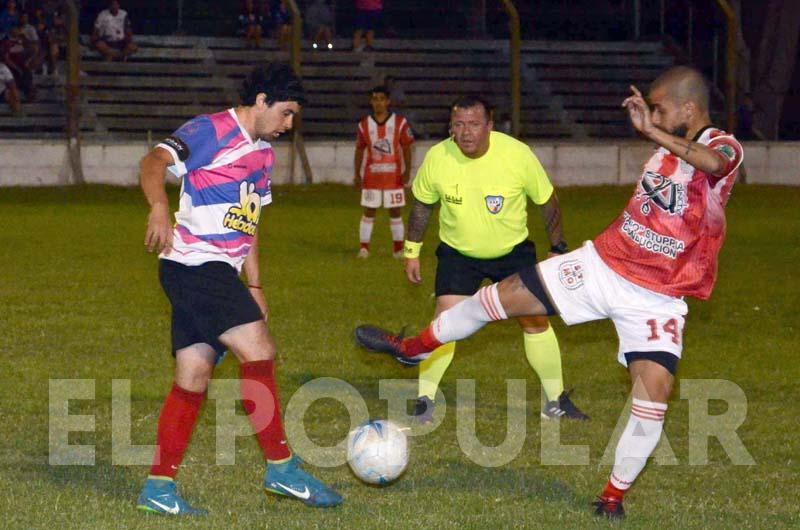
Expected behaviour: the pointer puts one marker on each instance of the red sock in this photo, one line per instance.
(397, 246)
(423, 343)
(611, 491)
(175, 426)
(260, 400)
(365, 245)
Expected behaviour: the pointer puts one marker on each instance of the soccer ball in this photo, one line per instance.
(377, 451)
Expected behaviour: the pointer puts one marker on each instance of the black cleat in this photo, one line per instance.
(423, 410)
(379, 340)
(563, 408)
(609, 507)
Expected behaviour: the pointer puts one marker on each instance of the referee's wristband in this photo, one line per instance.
(561, 248)
(411, 249)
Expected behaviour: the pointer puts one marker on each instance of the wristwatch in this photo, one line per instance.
(561, 248)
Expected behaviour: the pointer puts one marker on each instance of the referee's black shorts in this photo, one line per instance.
(207, 300)
(462, 275)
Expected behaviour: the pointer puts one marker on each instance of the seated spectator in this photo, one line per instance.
(251, 24)
(282, 21)
(319, 18)
(12, 53)
(112, 35)
(368, 16)
(9, 18)
(8, 90)
(34, 56)
(51, 25)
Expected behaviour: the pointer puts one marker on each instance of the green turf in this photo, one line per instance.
(80, 299)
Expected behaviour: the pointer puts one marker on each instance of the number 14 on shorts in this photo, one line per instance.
(670, 327)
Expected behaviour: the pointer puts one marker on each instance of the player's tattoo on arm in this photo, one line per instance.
(418, 220)
(689, 147)
(551, 215)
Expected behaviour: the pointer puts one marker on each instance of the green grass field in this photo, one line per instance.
(80, 299)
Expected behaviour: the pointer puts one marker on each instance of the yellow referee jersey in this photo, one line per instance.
(483, 201)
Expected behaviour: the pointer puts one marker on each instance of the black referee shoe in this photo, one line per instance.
(563, 407)
(423, 410)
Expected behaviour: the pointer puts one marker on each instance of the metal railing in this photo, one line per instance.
(514, 61)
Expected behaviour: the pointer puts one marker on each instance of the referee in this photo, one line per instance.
(482, 180)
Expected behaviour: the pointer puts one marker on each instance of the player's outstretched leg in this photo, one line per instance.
(458, 322)
(160, 495)
(290, 480)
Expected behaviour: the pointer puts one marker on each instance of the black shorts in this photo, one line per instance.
(462, 275)
(207, 300)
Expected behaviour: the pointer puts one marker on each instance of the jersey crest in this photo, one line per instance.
(494, 203)
(663, 192)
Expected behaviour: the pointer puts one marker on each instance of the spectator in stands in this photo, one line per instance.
(112, 35)
(9, 18)
(51, 25)
(8, 89)
(251, 24)
(34, 56)
(282, 21)
(12, 52)
(368, 15)
(319, 17)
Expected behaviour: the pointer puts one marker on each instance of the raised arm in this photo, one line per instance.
(698, 155)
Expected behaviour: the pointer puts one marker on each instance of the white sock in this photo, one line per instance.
(365, 229)
(468, 316)
(638, 441)
(396, 224)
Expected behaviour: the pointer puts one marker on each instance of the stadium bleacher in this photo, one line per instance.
(570, 89)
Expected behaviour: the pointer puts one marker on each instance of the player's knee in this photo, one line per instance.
(534, 325)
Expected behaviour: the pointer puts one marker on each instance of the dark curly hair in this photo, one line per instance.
(276, 80)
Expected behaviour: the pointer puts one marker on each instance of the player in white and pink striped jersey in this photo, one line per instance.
(224, 161)
(663, 247)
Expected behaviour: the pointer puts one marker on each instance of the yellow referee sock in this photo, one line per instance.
(432, 369)
(544, 356)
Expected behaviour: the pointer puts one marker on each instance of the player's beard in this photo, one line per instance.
(681, 130)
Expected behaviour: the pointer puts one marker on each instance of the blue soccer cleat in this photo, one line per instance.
(161, 496)
(289, 480)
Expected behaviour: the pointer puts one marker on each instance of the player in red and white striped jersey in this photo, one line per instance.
(386, 138)
(663, 247)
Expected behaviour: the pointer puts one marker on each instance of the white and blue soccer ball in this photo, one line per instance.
(377, 451)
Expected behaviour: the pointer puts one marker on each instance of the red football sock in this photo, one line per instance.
(423, 343)
(611, 491)
(364, 245)
(397, 246)
(175, 426)
(260, 400)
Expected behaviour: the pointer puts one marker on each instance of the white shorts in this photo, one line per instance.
(583, 288)
(386, 198)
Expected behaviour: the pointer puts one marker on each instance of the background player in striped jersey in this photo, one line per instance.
(664, 246)
(386, 137)
(224, 161)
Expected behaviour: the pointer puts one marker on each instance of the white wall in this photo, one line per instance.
(44, 163)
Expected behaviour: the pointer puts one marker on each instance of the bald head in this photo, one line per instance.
(684, 85)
